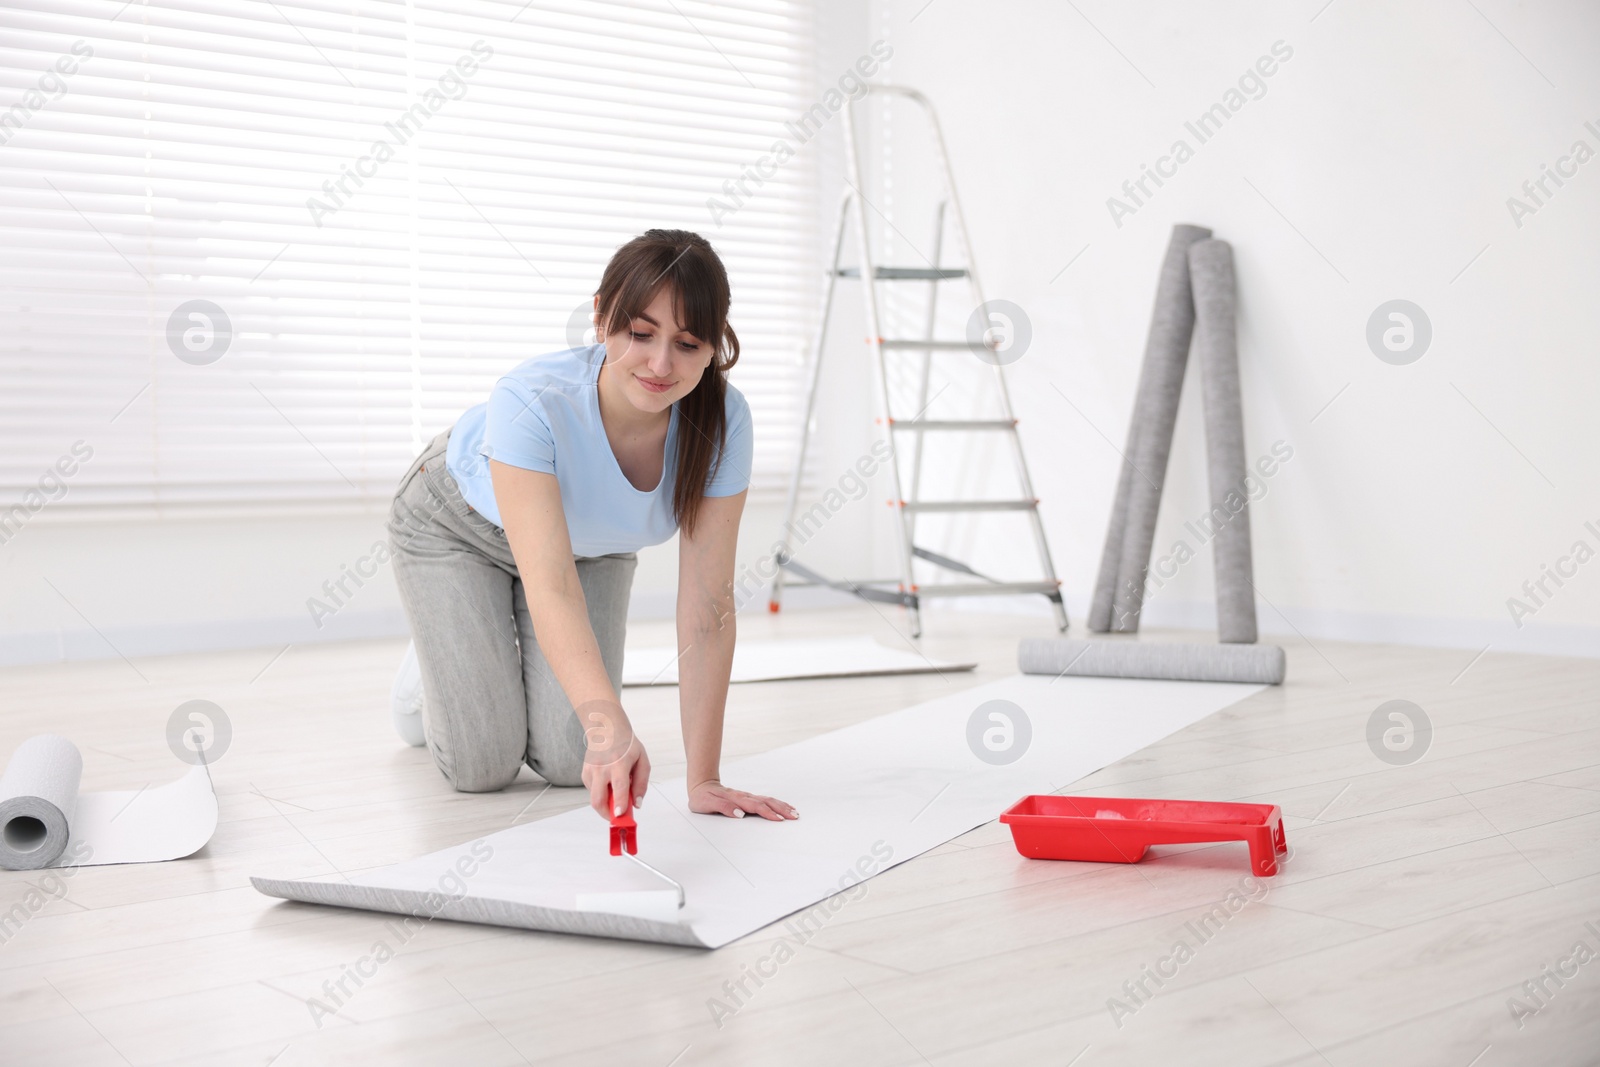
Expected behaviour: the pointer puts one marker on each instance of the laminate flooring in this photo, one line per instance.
(1430, 911)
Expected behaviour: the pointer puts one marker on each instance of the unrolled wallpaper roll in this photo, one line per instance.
(45, 822)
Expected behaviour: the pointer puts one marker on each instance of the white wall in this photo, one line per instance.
(1383, 150)
(1377, 165)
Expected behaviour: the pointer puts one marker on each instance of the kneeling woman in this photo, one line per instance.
(515, 533)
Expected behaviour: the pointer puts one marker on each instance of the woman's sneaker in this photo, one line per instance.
(406, 699)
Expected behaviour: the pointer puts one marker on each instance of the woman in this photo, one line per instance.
(515, 532)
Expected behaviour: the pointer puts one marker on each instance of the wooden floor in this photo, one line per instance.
(1417, 901)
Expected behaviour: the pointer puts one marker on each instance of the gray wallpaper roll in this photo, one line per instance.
(1216, 348)
(38, 794)
(1262, 664)
(1119, 590)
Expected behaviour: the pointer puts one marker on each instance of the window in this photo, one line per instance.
(257, 254)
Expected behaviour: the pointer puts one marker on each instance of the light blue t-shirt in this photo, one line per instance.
(545, 416)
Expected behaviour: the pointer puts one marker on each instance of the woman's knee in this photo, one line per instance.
(473, 775)
(565, 770)
(481, 780)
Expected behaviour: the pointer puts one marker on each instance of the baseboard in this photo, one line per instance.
(1545, 639)
(166, 639)
(803, 598)
(163, 639)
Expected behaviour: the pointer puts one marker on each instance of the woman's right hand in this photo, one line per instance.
(615, 764)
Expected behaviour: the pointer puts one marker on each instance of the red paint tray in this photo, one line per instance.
(1119, 829)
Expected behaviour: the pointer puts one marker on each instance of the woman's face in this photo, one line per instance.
(655, 362)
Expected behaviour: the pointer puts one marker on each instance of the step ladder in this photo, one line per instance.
(905, 591)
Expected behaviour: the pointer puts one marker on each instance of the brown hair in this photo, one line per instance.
(685, 262)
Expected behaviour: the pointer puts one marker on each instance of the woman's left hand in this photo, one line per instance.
(713, 798)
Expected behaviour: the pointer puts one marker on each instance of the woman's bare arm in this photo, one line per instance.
(536, 528)
(706, 633)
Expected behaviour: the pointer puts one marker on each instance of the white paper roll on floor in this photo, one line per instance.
(38, 795)
(45, 821)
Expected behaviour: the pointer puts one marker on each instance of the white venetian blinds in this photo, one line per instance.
(256, 252)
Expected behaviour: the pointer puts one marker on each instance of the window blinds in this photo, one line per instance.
(256, 254)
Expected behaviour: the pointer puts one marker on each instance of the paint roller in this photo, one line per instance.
(658, 905)
(1178, 662)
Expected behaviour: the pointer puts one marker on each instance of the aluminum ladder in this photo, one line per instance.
(906, 592)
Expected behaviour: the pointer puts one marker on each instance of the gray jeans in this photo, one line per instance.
(491, 700)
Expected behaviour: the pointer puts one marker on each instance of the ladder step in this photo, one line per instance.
(1048, 588)
(907, 274)
(790, 583)
(969, 505)
(920, 425)
(914, 344)
(863, 587)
